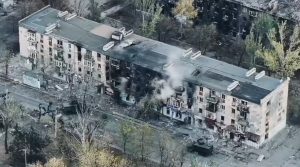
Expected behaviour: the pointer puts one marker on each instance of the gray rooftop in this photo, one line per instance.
(154, 55)
(288, 9)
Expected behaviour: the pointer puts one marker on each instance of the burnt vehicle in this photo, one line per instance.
(201, 148)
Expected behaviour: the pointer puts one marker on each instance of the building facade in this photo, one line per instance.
(237, 103)
(234, 17)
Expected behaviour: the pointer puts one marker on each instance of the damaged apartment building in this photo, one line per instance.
(234, 17)
(240, 104)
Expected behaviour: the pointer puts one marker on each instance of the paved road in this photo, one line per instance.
(283, 152)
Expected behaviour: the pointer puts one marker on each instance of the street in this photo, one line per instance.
(284, 149)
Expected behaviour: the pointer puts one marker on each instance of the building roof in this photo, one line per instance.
(287, 9)
(154, 55)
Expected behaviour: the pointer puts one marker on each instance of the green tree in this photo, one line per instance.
(95, 157)
(262, 25)
(53, 162)
(145, 7)
(252, 45)
(29, 142)
(278, 59)
(205, 37)
(149, 28)
(165, 28)
(150, 108)
(10, 111)
(126, 131)
(185, 11)
(95, 10)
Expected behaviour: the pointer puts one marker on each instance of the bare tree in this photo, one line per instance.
(86, 125)
(58, 4)
(6, 55)
(79, 7)
(9, 113)
(30, 6)
(144, 141)
(163, 148)
(95, 9)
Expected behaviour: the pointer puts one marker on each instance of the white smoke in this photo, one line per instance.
(176, 74)
(163, 90)
(122, 86)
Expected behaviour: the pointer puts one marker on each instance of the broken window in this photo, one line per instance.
(42, 38)
(268, 113)
(196, 72)
(233, 111)
(201, 99)
(79, 56)
(99, 75)
(232, 121)
(50, 51)
(42, 59)
(222, 118)
(69, 56)
(267, 136)
(59, 42)
(79, 69)
(244, 102)
(99, 66)
(234, 99)
(223, 96)
(223, 107)
(168, 111)
(98, 56)
(50, 41)
(200, 110)
(268, 103)
(253, 137)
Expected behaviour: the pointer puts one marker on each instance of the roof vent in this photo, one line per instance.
(117, 35)
(109, 45)
(62, 14)
(127, 33)
(250, 72)
(168, 65)
(122, 30)
(196, 72)
(232, 85)
(70, 16)
(260, 75)
(50, 28)
(195, 55)
(188, 52)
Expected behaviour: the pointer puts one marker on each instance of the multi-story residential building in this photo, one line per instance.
(237, 103)
(235, 17)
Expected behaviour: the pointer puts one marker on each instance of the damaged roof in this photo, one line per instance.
(287, 9)
(154, 55)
